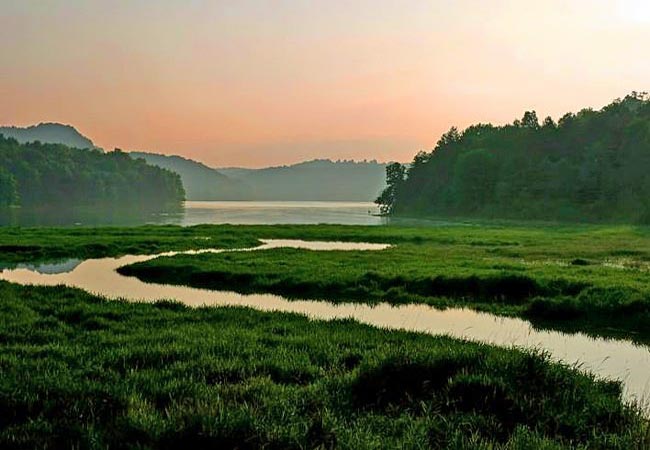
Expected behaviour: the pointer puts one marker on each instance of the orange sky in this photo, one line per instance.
(256, 83)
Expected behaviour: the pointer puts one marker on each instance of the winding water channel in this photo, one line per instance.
(614, 359)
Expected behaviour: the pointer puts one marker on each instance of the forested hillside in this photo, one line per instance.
(590, 166)
(37, 174)
(53, 133)
(317, 180)
(200, 181)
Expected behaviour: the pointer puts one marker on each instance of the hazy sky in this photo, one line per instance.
(256, 83)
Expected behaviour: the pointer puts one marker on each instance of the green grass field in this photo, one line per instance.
(47, 244)
(81, 372)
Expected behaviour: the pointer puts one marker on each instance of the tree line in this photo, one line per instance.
(37, 175)
(589, 166)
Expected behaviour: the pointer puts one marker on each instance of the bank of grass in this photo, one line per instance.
(584, 277)
(539, 240)
(82, 372)
(46, 244)
(589, 278)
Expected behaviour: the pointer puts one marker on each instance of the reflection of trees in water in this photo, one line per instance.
(195, 213)
(50, 268)
(62, 215)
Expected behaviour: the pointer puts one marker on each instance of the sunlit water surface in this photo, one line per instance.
(614, 359)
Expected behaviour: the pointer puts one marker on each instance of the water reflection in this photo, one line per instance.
(252, 213)
(67, 216)
(49, 267)
(214, 212)
(610, 358)
(195, 213)
(52, 267)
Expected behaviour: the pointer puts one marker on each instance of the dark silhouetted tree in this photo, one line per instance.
(530, 120)
(395, 173)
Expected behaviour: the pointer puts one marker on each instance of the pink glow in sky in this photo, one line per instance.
(256, 83)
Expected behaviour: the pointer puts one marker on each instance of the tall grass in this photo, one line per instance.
(81, 372)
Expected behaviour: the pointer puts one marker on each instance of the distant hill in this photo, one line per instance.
(200, 181)
(320, 179)
(48, 133)
(317, 180)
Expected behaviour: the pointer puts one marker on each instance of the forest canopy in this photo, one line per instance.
(589, 166)
(36, 175)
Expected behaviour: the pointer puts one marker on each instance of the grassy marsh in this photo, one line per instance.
(82, 372)
(587, 278)
(47, 244)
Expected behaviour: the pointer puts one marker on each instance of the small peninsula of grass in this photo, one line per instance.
(82, 372)
(46, 244)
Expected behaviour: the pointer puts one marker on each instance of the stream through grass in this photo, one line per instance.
(610, 358)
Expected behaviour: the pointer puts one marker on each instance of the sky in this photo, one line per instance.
(258, 83)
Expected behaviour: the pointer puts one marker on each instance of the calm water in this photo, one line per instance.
(194, 213)
(347, 213)
(609, 358)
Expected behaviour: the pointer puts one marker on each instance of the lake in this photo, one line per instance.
(251, 213)
(202, 212)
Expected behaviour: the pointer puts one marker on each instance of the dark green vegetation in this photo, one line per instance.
(590, 166)
(81, 372)
(589, 278)
(48, 244)
(54, 176)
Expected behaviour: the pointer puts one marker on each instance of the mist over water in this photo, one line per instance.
(201, 212)
(251, 213)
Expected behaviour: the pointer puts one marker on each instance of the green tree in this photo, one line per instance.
(549, 122)
(530, 120)
(475, 178)
(8, 191)
(36, 174)
(395, 173)
(591, 166)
